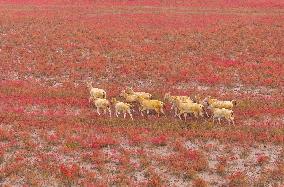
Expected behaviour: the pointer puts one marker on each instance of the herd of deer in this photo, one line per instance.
(182, 105)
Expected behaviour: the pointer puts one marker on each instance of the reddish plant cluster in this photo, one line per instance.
(160, 140)
(238, 179)
(70, 172)
(262, 159)
(102, 142)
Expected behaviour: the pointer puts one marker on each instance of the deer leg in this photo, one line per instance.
(109, 110)
(129, 112)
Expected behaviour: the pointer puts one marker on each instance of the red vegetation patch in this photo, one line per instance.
(99, 142)
(50, 136)
(159, 140)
